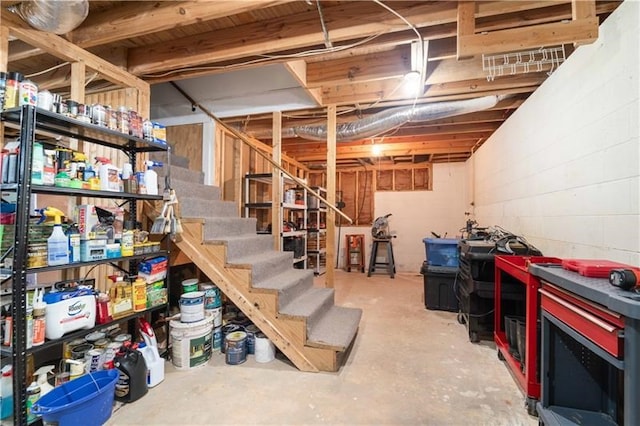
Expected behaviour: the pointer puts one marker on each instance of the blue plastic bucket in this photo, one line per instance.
(87, 400)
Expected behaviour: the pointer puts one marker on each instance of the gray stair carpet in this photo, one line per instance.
(328, 326)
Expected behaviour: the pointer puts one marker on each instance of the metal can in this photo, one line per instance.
(122, 117)
(12, 90)
(28, 93)
(99, 115)
(94, 360)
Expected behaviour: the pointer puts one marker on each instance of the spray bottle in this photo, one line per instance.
(58, 242)
(151, 177)
(42, 379)
(33, 394)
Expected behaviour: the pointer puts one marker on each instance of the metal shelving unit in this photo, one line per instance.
(258, 203)
(317, 232)
(31, 121)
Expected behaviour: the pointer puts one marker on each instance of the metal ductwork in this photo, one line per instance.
(384, 121)
(53, 16)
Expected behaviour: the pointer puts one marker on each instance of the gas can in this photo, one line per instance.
(132, 383)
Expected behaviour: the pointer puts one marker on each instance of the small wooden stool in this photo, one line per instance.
(389, 264)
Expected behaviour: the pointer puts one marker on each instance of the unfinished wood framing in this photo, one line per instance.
(276, 179)
(331, 195)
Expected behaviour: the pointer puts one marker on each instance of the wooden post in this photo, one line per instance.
(466, 24)
(331, 195)
(276, 185)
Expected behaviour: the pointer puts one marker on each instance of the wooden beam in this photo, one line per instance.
(522, 38)
(4, 46)
(276, 179)
(375, 66)
(466, 23)
(61, 48)
(347, 21)
(298, 70)
(78, 74)
(331, 196)
(583, 9)
(388, 151)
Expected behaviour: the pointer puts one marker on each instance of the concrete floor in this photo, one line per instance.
(408, 366)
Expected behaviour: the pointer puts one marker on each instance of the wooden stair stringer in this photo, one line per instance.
(259, 305)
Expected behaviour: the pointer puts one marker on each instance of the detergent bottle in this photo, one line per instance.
(151, 177)
(6, 392)
(58, 242)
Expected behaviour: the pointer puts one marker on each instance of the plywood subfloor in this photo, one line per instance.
(408, 366)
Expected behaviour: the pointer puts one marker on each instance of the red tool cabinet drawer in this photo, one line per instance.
(598, 324)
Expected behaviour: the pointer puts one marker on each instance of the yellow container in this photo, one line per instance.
(139, 295)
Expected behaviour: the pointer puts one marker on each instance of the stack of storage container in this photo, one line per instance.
(440, 270)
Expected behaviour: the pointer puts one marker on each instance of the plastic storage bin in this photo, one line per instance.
(440, 292)
(442, 252)
(87, 400)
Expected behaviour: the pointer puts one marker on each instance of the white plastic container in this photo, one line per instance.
(191, 343)
(155, 364)
(109, 177)
(57, 246)
(69, 311)
(151, 180)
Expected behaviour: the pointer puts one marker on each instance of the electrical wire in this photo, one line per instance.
(327, 41)
(266, 58)
(55, 67)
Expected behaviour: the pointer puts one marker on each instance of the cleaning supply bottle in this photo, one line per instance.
(155, 364)
(73, 233)
(109, 175)
(58, 242)
(151, 177)
(42, 379)
(33, 394)
(147, 333)
(6, 392)
(39, 319)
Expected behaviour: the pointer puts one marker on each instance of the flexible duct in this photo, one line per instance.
(54, 16)
(383, 121)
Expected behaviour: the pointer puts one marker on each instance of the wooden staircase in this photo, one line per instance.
(300, 319)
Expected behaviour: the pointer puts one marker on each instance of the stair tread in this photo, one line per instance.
(336, 329)
(308, 302)
(285, 280)
(253, 259)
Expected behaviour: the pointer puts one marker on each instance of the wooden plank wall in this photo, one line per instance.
(186, 141)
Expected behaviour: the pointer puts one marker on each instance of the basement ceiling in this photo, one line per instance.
(245, 59)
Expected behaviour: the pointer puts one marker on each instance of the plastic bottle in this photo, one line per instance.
(139, 295)
(73, 233)
(109, 175)
(155, 364)
(33, 394)
(151, 177)
(39, 319)
(42, 379)
(58, 242)
(6, 392)
(147, 333)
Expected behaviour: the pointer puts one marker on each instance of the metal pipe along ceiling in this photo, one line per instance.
(384, 121)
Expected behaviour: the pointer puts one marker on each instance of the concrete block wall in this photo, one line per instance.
(564, 170)
(415, 214)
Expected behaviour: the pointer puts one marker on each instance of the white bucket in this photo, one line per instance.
(216, 313)
(191, 343)
(265, 351)
(192, 306)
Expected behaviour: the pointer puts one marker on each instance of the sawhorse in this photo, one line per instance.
(389, 264)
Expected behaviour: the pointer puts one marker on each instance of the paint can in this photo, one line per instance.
(79, 351)
(265, 351)
(212, 297)
(123, 337)
(192, 306)
(190, 285)
(94, 359)
(235, 347)
(191, 343)
(111, 350)
(251, 331)
(67, 347)
(217, 339)
(216, 313)
(226, 329)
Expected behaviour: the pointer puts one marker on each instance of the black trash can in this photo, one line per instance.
(440, 291)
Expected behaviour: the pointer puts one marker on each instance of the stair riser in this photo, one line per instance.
(193, 190)
(194, 207)
(312, 319)
(181, 173)
(288, 294)
(248, 246)
(272, 267)
(227, 227)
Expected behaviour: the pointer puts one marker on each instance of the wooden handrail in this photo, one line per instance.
(254, 145)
